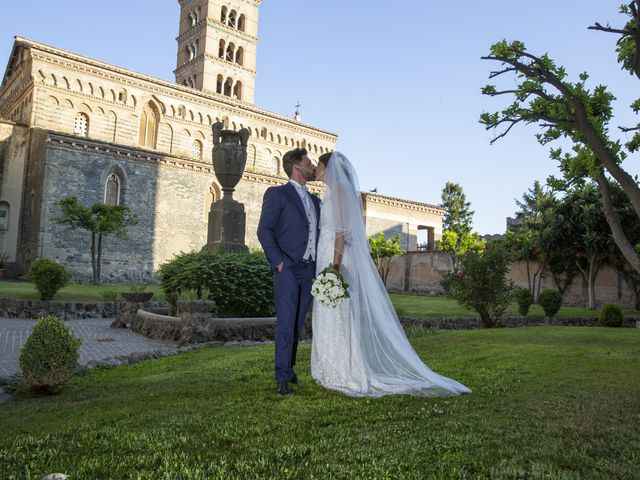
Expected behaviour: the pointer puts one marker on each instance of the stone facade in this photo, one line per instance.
(71, 125)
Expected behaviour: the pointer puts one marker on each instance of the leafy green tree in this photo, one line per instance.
(99, 219)
(458, 216)
(456, 245)
(383, 251)
(481, 283)
(570, 110)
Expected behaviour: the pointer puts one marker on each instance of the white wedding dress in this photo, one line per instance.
(359, 348)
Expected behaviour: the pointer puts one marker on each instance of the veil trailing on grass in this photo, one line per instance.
(389, 361)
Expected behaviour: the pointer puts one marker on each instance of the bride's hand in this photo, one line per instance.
(336, 266)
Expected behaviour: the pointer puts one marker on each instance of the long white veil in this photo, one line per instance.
(393, 365)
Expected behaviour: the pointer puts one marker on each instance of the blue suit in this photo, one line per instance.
(283, 232)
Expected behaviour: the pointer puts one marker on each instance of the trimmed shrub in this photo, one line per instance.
(523, 298)
(239, 282)
(550, 301)
(481, 283)
(611, 316)
(49, 356)
(49, 277)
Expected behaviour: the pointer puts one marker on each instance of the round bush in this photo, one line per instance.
(522, 297)
(50, 354)
(49, 277)
(611, 316)
(550, 301)
(239, 282)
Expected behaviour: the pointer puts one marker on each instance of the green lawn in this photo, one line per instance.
(71, 293)
(418, 306)
(547, 403)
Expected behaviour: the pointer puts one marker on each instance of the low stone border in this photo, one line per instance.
(473, 323)
(12, 308)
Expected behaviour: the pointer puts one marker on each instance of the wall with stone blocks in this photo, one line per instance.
(421, 272)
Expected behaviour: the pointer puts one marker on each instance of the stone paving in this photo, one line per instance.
(100, 344)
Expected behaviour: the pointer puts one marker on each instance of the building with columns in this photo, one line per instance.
(75, 126)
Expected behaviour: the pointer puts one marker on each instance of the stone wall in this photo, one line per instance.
(169, 195)
(421, 272)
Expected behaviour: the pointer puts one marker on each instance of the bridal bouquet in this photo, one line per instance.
(329, 287)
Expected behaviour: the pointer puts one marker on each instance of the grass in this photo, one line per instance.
(71, 293)
(547, 403)
(417, 306)
(420, 306)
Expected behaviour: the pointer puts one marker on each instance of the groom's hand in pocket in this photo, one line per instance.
(280, 267)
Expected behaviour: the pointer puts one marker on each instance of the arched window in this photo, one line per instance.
(230, 48)
(241, 22)
(196, 150)
(232, 19)
(223, 15)
(237, 91)
(112, 190)
(81, 125)
(275, 166)
(221, 49)
(240, 56)
(228, 86)
(148, 131)
(219, 85)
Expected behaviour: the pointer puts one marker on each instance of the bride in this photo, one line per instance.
(359, 347)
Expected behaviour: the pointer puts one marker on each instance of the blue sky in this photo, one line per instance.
(398, 81)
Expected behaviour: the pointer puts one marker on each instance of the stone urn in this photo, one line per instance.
(229, 156)
(227, 218)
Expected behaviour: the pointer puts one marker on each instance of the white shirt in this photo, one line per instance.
(310, 209)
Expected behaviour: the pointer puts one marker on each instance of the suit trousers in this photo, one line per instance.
(292, 289)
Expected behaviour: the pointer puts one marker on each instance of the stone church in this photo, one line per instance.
(75, 126)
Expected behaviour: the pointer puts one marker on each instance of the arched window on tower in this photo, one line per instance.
(223, 15)
(219, 84)
(112, 190)
(148, 130)
(241, 22)
(228, 85)
(230, 48)
(221, 49)
(237, 91)
(240, 56)
(233, 15)
(81, 125)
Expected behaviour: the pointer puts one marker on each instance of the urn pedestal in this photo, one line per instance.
(227, 218)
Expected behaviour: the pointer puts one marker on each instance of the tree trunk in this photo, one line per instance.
(594, 267)
(529, 277)
(613, 220)
(99, 261)
(538, 275)
(93, 258)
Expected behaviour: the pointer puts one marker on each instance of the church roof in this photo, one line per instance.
(25, 42)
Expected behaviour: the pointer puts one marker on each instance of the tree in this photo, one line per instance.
(458, 217)
(481, 283)
(383, 251)
(101, 220)
(457, 223)
(589, 238)
(457, 245)
(570, 110)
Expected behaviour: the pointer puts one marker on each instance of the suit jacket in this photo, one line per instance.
(283, 230)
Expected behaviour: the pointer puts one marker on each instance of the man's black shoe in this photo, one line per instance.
(283, 389)
(294, 379)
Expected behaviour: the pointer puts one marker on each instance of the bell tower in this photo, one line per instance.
(217, 46)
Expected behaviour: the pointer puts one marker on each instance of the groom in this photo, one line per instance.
(288, 232)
